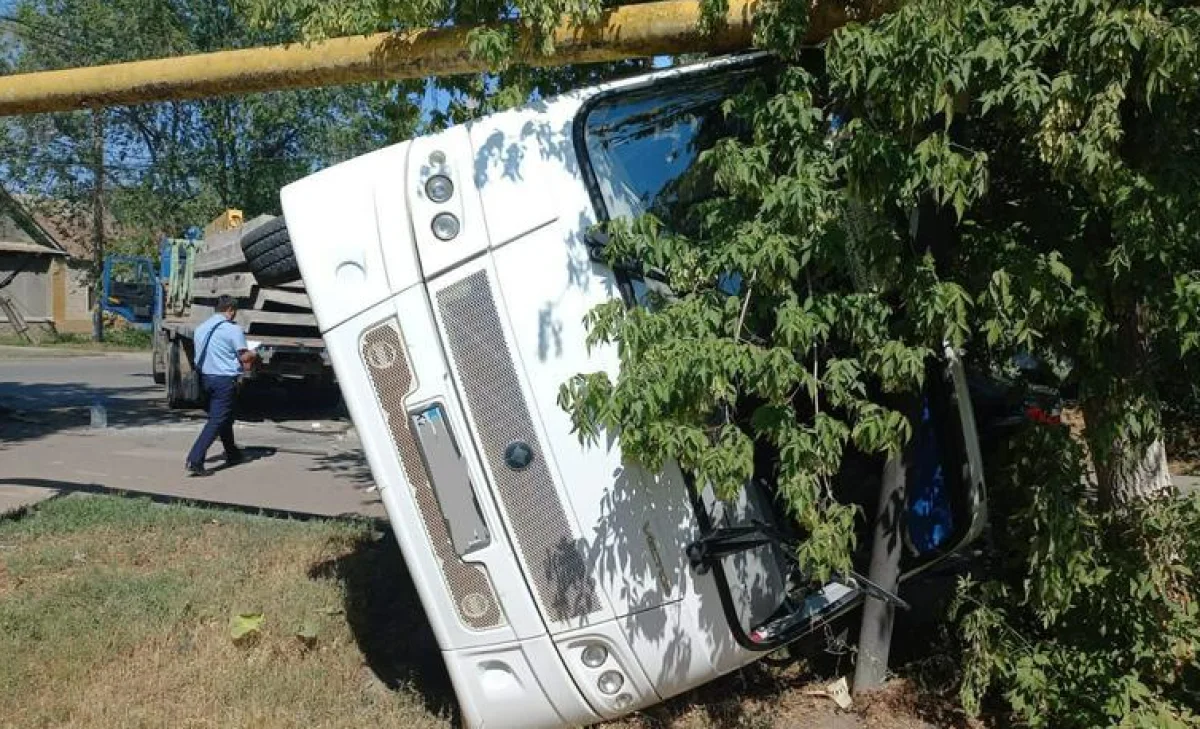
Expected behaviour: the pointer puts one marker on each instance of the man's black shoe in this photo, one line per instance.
(235, 457)
(195, 471)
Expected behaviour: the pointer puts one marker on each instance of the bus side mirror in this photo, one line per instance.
(596, 241)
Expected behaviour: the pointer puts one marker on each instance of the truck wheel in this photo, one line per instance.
(175, 355)
(268, 251)
(158, 359)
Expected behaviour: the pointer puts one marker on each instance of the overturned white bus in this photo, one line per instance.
(450, 276)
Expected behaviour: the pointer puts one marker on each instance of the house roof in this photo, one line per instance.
(58, 224)
(7, 246)
(20, 230)
(68, 224)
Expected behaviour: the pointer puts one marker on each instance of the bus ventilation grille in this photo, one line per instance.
(391, 377)
(502, 420)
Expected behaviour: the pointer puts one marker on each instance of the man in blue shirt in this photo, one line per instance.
(221, 355)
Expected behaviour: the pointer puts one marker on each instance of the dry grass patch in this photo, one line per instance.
(116, 613)
(760, 697)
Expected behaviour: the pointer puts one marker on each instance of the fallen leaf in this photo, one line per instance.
(307, 634)
(246, 627)
(839, 691)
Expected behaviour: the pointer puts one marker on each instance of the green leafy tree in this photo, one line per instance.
(1073, 179)
(1088, 617)
(1009, 177)
(1049, 151)
(1080, 246)
(169, 166)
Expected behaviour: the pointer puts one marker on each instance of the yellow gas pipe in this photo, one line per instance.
(632, 31)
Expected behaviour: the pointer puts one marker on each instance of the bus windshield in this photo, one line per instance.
(642, 142)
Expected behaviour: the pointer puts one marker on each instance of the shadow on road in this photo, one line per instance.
(388, 622)
(29, 411)
(261, 401)
(249, 455)
(35, 410)
(347, 465)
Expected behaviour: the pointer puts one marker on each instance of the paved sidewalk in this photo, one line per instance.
(47, 446)
(15, 498)
(302, 473)
(1187, 484)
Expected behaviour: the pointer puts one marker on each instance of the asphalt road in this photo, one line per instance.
(66, 380)
(303, 460)
(306, 461)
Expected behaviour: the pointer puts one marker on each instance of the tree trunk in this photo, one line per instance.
(1124, 423)
(1128, 469)
(934, 229)
(98, 221)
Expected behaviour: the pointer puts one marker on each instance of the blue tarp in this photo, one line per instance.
(930, 518)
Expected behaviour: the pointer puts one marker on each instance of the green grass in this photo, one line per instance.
(116, 340)
(116, 612)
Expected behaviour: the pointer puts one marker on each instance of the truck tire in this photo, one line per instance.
(175, 357)
(268, 251)
(158, 358)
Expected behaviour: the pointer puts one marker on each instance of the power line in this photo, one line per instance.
(46, 34)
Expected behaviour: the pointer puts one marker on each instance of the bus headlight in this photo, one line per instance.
(610, 682)
(594, 655)
(445, 226)
(439, 188)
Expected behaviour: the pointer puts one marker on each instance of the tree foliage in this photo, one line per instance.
(177, 164)
(1088, 617)
(1059, 138)
(1075, 181)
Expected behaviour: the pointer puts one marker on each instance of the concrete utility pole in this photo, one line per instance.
(98, 221)
(934, 230)
(632, 31)
(875, 634)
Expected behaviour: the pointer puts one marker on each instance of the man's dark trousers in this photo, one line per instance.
(221, 393)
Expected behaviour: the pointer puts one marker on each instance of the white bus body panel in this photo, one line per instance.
(598, 556)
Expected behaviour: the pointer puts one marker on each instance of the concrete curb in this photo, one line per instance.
(14, 351)
(26, 499)
(18, 500)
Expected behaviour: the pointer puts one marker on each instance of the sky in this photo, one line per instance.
(6, 8)
(433, 99)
